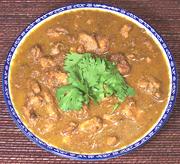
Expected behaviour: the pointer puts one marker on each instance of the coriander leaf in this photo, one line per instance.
(70, 98)
(90, 77)
(75, 78)
(97, 92)
(71, 60)
(115, 107)
(130, 91)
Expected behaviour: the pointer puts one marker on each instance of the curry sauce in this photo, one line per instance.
(37, 70)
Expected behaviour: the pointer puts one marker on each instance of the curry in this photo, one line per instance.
(89, 81)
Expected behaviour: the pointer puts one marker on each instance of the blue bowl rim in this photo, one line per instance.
(76, 156)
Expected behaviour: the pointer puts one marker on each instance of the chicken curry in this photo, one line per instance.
(89, 81)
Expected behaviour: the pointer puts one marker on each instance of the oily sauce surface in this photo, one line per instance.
(37, 71)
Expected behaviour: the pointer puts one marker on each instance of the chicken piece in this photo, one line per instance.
(34, 86)
(44, 100)
(47, 97)
(122, 64)
(123, 67)
(35, 74)
(71, 39)
(35, 53)
(92, 125)
(112, 140)
(53, 79)
(132, 57)
(89, 42)
(135, 57)
(47, 125)
(150, 86)
(55, 49)
(60, 77)
(130, 110)
(59, 59)
(69, 129)
(103, 45)
(56, 32)
(34, 101)
(30, 115)
(49, 106)
(125, 30)
(113, 118)
(80, 49)
(148, 45)
(82, 114)
(96, 44)
(133, 114)
(52, 111)
(127, 112)
(47, 62)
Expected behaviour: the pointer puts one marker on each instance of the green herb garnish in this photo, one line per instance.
(115, 107)
(90, 77)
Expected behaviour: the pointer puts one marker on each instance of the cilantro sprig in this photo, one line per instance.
(90, 77)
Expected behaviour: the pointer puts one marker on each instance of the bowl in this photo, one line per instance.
(156, 37)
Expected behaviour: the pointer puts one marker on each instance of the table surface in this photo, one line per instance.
(15, 15)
